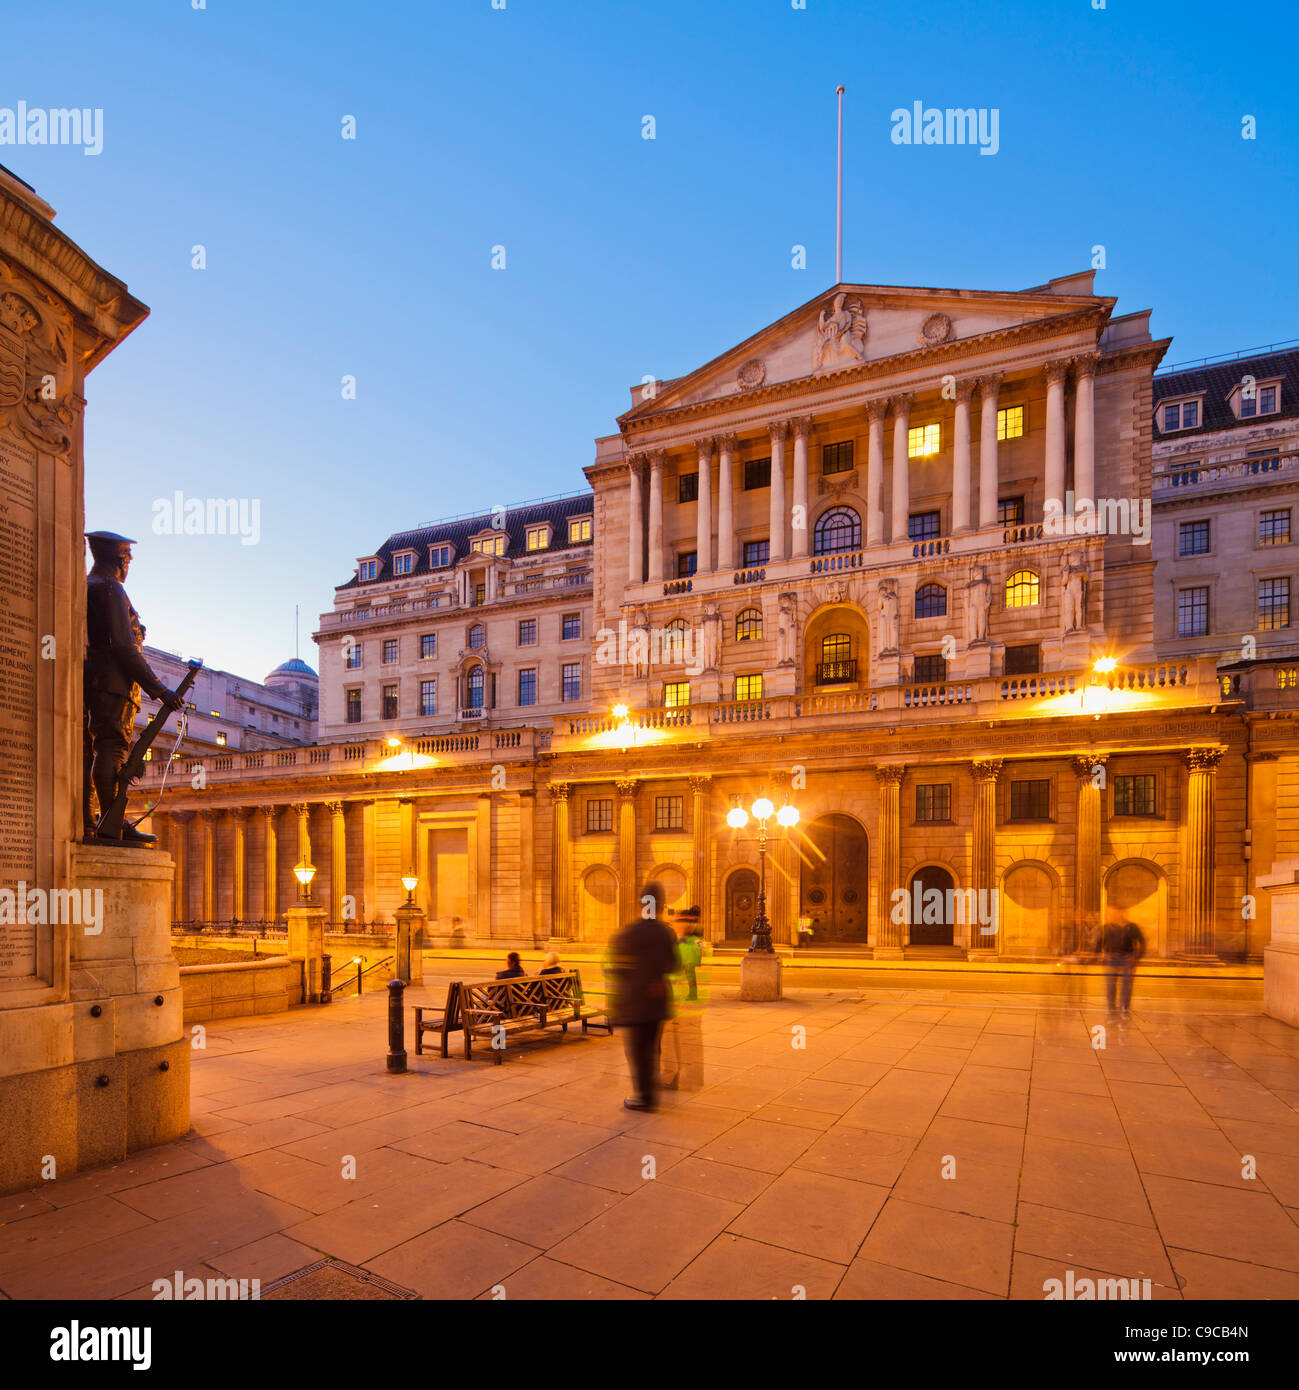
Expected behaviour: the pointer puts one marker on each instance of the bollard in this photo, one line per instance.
(396, 1025)
(359, 964)
(326, 979)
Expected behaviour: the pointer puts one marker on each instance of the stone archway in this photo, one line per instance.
(932, 918)
(834, 880)
(836, 648)
(598, 904)
(1028, 911)
(1136, 888)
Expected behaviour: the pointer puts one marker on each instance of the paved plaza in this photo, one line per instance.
(908, 1144)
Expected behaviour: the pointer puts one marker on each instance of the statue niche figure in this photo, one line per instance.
(1075, 591)
(115, 671)
(888, 611)
(787, 631)
(978, 604)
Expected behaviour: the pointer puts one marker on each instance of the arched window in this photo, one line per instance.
(674, 639)
(837, 529)
(748, 625)
(836, 665)
(1023, 589)
(476, 688)
(477, 636)
(931, 601)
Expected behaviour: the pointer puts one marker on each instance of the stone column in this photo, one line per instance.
(901, 467)
(1055, 373)
(961, 458)
(656, 517)
(628, 888)
(983, 858)
(180, 857)
(270, 881)
(704, 509)
(1084, 428)
(239, 815)
(561, 862)
(208, 819)
(889, 939)
(725, 502)
(1198, 936)
(779, 431)
(636, 519)
(1087, 847)
(369, 883)
(989, 479)
(801, 521)
(701, 839)
(337, 861)
(875, 413)
(527, 864)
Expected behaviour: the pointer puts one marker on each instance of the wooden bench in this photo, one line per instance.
(494, 1010)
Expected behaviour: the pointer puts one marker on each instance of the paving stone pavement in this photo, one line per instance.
(886, 1145)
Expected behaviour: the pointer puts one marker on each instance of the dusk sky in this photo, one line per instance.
(522, 127)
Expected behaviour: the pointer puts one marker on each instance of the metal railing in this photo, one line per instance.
(836, 672)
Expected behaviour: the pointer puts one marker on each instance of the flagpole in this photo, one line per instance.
(838, 210)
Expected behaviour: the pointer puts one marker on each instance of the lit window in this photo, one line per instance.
(490, 545)
(389, 701)
(477, 636)
(572, 680)
(403, 563)
(367, 569)
(1010, 422)
(579, 530)
(676, 694)
(931, 601)
(221, 739)
(538, 537)
(836, 666)
(1193, 612)
(1273, 604)
(748, 625)
(480, 595)
(428, 698)
(934, 802)
(748, 687)
(1274, 527)
(1134, 796)
(837, 530)
(353, 706)
(528, 686)
(428, 646)
(669, 812)
(1287, 678)
(1023, 590)
(599, 814)
(922, 441)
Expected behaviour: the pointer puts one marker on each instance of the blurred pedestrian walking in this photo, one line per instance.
(642, 957)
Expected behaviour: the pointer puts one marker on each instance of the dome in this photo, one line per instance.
(295, 668)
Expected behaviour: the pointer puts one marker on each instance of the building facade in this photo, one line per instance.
(888, 562)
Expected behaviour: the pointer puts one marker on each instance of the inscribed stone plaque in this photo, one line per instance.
(18, 656)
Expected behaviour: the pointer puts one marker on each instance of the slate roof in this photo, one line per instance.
(457, 531)
(1219, 380)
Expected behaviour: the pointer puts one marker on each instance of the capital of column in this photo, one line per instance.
(301, 809)
(1056, 371)
(892, 773)
(877, 410)
(986, 769)
(901, 403)
(656, 460)
(705, 447)
(700, 782)
(637, 465)
(269, 812)
(238, 813)
(210, 817)
(1085, 764)
(559, 791)
(1203, 759)
(626, 787)
(965, 390)
(803, 427)
(778, 430)
(990, 385)
(1085, 364)
(335, 808)
(726, 443)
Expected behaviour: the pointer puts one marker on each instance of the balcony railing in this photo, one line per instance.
(836, 672)
(1223, 472)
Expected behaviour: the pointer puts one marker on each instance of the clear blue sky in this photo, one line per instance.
(625, 256)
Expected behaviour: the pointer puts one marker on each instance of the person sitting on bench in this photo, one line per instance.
(515, 968)
(551, 965)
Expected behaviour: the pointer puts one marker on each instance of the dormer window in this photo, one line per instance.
(1252, 398)
(403, 562)
(1180, 415)
(493, 543)
(367, 569)
(439, 556)
(579, 530)
(538, 537)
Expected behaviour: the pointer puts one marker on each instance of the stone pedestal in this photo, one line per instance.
(760, 976)
(1281, 955)
(781, 680)
(979, 661)
(410, 945)
(887, 669)
(307, 944)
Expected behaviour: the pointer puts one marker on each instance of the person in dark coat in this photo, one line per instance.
(514, 970)
(642, 957)
(551, 965)
(1123, 944)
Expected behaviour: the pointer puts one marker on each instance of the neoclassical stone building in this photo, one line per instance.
(888, 561)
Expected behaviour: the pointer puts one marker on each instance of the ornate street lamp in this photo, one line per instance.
(737, 818)
(409, 882)
(304, 873)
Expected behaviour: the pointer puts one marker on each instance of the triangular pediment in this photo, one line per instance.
(852, 326)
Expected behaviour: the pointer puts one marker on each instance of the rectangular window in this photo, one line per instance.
(538, 537)
(527, 632)
(924, 526)
(1190, 415)
(599, 814)
(353, 706)
(687, 487)
(687, 562)
(428, 699)
(930, 668)
(1273, 604)
(1193, 612)
(439, 557)
(579, 530)
(480, 595)
(1266, 400)
(352, 657)
(367, 569)
(923, 441)
(1248, 405)
(1010, 422)
(570, 627)
(1134, 796)
(1173, 417)
(756, 553)
(1193, 538)
(836, 458)
(757, 473)
(428, 646)
(1274, 527)
(390, 652)
(389, 694)
(571, 674)
(528, 686)
(669, 812)
(1010, 511)
(748, 687)
(1025, 660)
(403, 564)
(1030, 800)
(676, 694)
(934, 802)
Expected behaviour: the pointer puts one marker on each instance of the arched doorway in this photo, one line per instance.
(1135, 889)
(1027, 911)
(671, 878)
(741, 903)
(833, 882)
(598, 906)
(931, 907)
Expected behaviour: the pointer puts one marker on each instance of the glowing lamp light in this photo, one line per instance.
(410, 882)
(619, 711)
(787, 816)
(737, 818)
(394, 743)
(763, 807)
(304, 873)
(1105, 665)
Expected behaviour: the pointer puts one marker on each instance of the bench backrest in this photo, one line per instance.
(520, 997)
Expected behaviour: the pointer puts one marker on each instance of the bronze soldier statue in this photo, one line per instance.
(115, 671)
